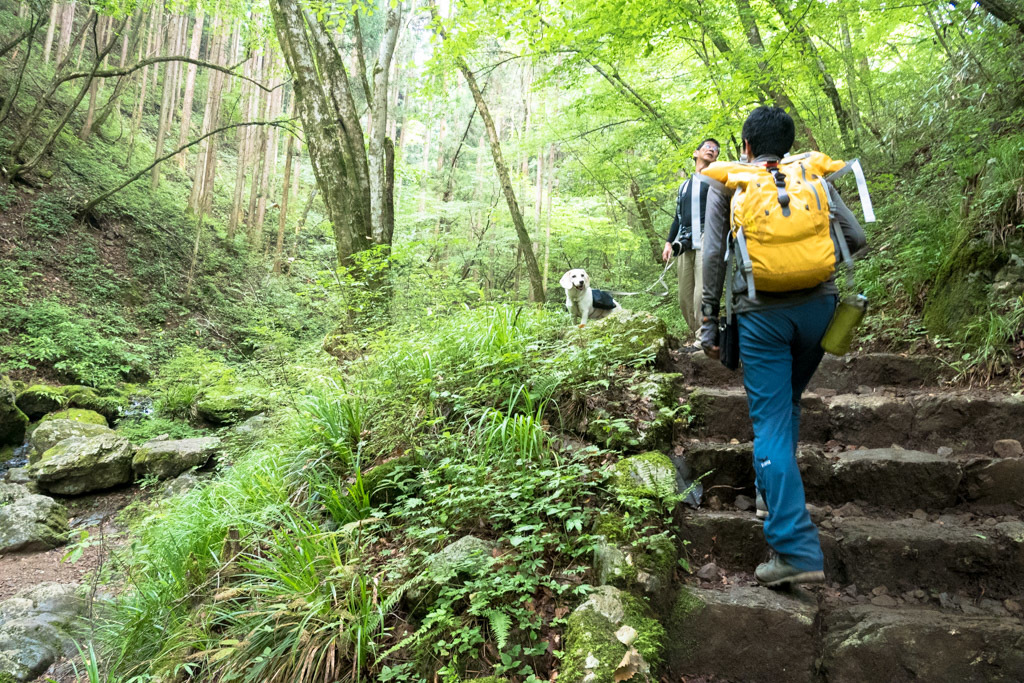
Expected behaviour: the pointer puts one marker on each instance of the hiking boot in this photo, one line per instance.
(778, 572)
(761, 510)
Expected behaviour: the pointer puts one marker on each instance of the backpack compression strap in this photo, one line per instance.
(695, 218)
(862, 187)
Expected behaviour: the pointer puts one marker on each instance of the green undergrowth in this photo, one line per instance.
(316, 556)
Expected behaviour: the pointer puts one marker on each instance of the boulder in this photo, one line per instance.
(77, 415)
(742, 634)
(79, 464)
(466, 556)
(228, 404)
(29, 521)
(647, 475)
(867, 643)
(647, 566)
(13, 422)
(36, 627)
(51, 432)
(611, 636)
(387, 479)
(40, 399)
(637, 334)
(86, 397)
(166, 458)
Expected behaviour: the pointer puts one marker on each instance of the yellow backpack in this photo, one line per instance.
(782, 219)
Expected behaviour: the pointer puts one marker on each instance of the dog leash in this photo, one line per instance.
(660, 280)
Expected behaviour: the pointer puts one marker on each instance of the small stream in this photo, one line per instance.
(18, 459)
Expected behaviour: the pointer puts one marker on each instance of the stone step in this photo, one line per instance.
(841, 375)
(901, 554)
(751, 634)
(885, 477)
(966, 422)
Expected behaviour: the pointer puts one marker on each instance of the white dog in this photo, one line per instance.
(579, 297)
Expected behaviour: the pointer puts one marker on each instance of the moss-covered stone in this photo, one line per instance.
(595, 641)
(960, 290)
(229, 403)
(29, 521)
(49, 433)
(684, 610)
(109, 406)
(637, 333)
(647, 475)
(40, 399)
(78, 465)
(13, 421)
(611, 525)
(167, 458)
(77, 415)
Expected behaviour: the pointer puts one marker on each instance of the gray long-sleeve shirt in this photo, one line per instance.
(716, 241)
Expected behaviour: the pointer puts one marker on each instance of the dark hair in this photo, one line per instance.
(706, 140)
(769, 130)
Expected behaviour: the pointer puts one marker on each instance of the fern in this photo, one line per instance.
(501, 626)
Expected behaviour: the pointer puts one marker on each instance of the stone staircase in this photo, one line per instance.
(918, 492)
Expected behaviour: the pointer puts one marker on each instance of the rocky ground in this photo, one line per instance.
(916, 489)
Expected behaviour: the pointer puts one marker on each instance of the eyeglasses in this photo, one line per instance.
(712, 148)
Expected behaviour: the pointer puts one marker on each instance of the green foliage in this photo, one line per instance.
(141, 431)
(85, 350)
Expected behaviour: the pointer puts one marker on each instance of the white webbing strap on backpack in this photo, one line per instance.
(695, 218)
(862, 187)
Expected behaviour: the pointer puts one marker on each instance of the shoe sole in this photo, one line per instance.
(762, 514)
(802, 577)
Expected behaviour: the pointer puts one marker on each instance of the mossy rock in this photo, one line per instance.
(602, 630)
(960, 290)
(79, 465)
(646, 567)
(489, 679)
(383, 482)
(227, 404)
(86, 398)
(637, 333)
(647, 475)
(13, 421)
(49, 433)
(77, 415)
(40, 399)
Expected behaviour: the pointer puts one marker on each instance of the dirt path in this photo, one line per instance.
(95, 513)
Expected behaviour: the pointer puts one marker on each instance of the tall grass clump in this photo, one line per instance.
(184, 548)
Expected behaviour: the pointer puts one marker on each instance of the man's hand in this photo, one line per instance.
(709, 337)
(666, 253)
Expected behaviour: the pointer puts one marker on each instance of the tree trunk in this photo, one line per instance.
(137, 117)
(825, 80)
(334, 137)
(104, 24)
(67, 27)
(129, 44)
(770, 84)
(289, 146)
(382, 227)
(851, 79)
(532, 270)
(248, 95)
(269, 159)
(207, 157)
(166, 106)
(653, 238)
(1006, 11)
(55, 11)
(190, 84)
(260, 150)
(52, 137)
(547, 213)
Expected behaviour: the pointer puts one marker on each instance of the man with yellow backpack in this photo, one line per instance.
(775, 230)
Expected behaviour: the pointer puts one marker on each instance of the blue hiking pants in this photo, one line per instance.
(780, 349)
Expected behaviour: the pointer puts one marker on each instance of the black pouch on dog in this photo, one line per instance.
(603, 299)
(729, 337)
